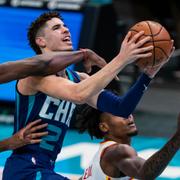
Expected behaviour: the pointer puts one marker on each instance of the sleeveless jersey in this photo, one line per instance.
(56, 112)
(94, 171)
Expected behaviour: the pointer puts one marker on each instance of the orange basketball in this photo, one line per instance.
(160, 39)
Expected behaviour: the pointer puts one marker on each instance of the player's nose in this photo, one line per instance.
(131, 118)
(65, 29)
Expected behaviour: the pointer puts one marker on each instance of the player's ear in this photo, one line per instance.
(103, 127)
(40, 41)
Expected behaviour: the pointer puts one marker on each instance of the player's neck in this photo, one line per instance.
(125, 140)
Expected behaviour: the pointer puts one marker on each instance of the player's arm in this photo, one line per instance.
(27, 135)
(107, 101)
(127, 161)
(82, 91)
(49, 63)
(125, 105)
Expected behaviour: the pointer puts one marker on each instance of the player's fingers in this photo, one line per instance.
(89, 69)
(136, 37)
(31, 124)
(87, 66)
(172, 51)
(35, 141)
(143, 41)
(101, 63)
(38, 127)
(172, 41)
(127, 37)
(116, 78)
(144, 55)
(145, 49)
(37, 135)
(167, 60)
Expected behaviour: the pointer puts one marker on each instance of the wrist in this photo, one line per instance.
(10, 145)
(85, 53)
(147, 76)
(151, 72)
(123, 59)
(6, 144)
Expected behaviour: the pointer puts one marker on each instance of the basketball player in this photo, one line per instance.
(53, 98)
(116, 159)
(39, 65)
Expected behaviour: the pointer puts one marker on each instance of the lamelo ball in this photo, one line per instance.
(160, 40)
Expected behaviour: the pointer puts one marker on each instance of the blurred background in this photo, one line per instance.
(101, 26)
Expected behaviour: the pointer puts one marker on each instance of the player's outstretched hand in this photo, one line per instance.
(92, 59)
(28, 135)
(152, 71)
(132, 47)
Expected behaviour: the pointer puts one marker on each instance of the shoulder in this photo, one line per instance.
(114, 155)
(25, 86)
(28, 85)
(118, 151)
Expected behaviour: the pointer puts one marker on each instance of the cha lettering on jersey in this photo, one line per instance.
(63, 112)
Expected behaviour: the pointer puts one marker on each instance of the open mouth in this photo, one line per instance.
(67, 39)
(131, 124)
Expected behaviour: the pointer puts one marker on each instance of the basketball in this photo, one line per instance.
(160, 39)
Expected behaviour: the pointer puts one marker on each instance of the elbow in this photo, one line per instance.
(80, 97)
(79, 94)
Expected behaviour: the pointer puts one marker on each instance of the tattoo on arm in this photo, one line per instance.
(154, 166)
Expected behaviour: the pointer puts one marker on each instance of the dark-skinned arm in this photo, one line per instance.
(126, 160)
(27, 135)
(156, 164)
(48, 63)
(152, 167)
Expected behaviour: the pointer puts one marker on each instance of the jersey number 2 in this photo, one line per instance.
(48, 141)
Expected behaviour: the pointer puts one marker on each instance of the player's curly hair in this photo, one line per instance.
(37, 25)
(88, 118)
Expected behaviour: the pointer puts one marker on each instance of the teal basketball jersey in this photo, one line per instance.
(56, 112)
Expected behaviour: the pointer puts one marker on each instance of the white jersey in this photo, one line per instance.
(94, 171)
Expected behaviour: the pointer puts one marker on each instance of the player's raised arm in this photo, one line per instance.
(82, 91)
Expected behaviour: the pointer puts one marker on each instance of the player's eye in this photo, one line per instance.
(56, 27)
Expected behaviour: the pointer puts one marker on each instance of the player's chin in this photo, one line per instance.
(133, 132)
(68, 48)
(68, 45)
